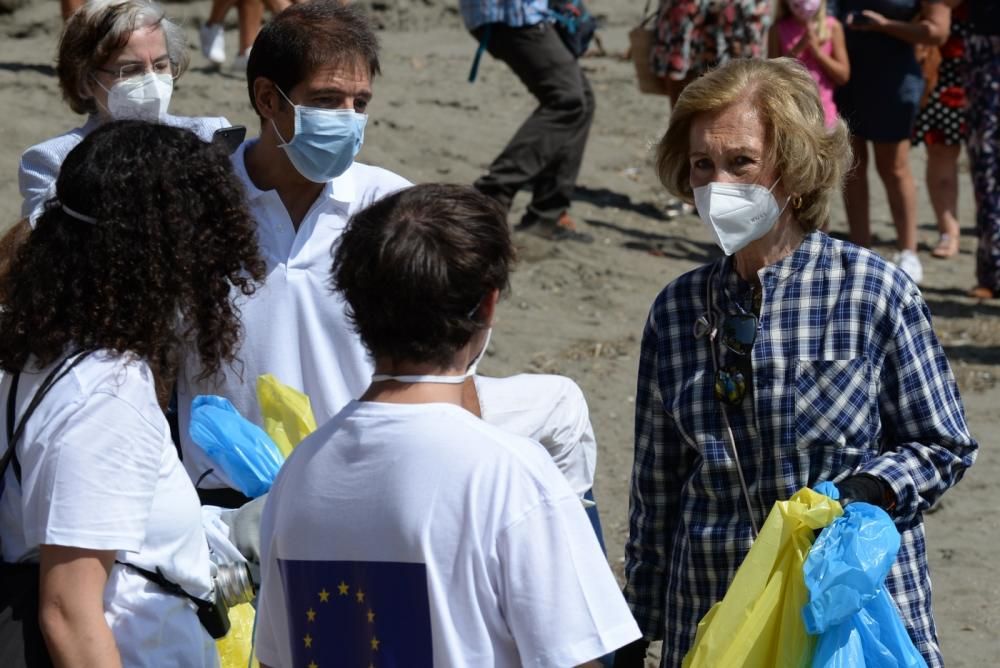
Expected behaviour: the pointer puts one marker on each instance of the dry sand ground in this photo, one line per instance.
(579, 310)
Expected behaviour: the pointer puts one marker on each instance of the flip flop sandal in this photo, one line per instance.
(947, 246)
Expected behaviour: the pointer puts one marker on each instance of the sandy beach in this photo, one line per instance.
(578, 309)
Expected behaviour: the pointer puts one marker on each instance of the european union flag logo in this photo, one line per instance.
(357, 614)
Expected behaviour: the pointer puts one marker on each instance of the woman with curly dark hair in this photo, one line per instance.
(141, 252)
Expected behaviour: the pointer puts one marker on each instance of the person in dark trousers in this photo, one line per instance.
(546, 151)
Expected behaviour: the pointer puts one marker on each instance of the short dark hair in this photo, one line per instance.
(307, 36)
(154, 272)
(415, 266)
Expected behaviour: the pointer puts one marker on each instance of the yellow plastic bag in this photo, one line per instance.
(236, 646)
(759, 622)
(287, 413)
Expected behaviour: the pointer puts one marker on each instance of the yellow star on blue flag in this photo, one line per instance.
(380, 616)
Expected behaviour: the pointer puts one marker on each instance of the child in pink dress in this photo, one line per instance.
(803, 30)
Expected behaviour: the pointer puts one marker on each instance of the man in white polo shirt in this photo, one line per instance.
(309, 77)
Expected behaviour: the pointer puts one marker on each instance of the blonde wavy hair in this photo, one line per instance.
(810, 158)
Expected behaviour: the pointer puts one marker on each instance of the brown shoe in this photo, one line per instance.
(566, 222)
(981, 292)
(947, 246)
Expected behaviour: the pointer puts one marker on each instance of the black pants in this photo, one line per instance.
(546, 151)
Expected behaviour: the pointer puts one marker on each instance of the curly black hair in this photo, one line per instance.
(171, 238)
(415, 266)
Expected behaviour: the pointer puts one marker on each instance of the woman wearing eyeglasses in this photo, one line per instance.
(794, 359)
(118, 59)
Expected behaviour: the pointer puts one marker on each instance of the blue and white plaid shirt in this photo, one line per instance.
(515, 13)
(847, 377)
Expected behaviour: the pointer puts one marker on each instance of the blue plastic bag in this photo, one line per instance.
(244, 452)
(849, 607)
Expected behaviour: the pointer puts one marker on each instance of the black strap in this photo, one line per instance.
(484, 42)
(14, 433)
(158, 578)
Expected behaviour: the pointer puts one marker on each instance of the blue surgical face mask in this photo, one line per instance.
(325, 142)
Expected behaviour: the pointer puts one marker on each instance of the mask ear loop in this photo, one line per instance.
(712, 332)
(275, 126)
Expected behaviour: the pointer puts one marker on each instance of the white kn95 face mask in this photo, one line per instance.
(737, 213)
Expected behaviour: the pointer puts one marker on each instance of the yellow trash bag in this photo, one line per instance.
(759, 622)
(236, 646)
(287, 413)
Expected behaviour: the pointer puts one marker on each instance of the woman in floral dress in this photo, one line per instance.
(695, 35)
(941, 125)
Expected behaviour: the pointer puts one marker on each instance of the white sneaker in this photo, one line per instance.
(240, 61)
(213, 42)
(908, 261)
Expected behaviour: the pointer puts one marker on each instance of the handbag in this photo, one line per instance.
(21, 642)
(929, 58)
(574, 23)
(640, 41)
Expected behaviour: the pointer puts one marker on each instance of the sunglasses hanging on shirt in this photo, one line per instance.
(738, 334)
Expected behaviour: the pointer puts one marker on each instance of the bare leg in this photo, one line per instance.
(892, 160)
(251, 15)
(675, 88)
(942, 186)
(278, 6)
(219, 10)
(69, 6)
(856, 195)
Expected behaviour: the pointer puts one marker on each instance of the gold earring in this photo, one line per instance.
(797, 202)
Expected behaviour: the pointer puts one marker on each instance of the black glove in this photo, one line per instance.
(632, 655)
(866, 488)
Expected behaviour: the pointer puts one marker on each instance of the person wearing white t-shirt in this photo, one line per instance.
(310, 80)
(549, 409)
(406, 531)
(149, 234)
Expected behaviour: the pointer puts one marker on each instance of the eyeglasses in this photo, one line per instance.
(739, 332)
(160, 67)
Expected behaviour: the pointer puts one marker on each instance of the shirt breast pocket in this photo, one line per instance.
(835, 406)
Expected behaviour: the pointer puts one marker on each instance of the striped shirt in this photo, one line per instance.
(514, 13)
(847, 377)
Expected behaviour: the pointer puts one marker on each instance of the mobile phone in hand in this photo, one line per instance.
(230, 138)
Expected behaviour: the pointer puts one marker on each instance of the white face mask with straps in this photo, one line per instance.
(143, 98)
(737, 213)
(435, 378)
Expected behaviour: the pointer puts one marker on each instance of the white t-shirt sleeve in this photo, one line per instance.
(559, 597)
(93, 487)
(272, 625)
(549, 409)
(571, 441)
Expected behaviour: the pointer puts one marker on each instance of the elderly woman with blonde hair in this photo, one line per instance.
(117, 60)
(794, 359)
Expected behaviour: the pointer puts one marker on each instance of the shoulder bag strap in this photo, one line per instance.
(11, 404)
(14, 433)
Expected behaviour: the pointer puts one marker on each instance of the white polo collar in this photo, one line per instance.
(341, 189)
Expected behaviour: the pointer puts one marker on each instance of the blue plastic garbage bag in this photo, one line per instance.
(849, 607)
(244, 452)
